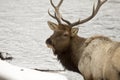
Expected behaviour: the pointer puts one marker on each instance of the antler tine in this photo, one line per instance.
(66, 21)
(95, 11)
(54, 17)
(60, 3)
(52, 3)
(57, 15)
(98, 6)
(51, 14)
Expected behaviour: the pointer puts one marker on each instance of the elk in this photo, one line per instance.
(95, 58)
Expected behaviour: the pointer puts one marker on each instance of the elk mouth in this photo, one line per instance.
(51, 47)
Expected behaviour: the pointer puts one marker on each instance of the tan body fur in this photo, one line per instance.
(100, 59)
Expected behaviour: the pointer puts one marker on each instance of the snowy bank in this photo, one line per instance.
(12, 72)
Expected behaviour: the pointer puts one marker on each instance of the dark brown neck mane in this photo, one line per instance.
(70, 57)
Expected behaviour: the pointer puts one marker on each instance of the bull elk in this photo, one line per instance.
(96, 58)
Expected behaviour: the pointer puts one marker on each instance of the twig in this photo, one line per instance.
(47, 70)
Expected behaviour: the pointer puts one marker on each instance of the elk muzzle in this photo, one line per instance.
(50, 44)
(48, 41)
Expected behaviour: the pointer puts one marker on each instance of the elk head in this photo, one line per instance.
(64, 33)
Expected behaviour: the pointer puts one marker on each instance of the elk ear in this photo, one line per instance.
(52, 26)
(74, 31)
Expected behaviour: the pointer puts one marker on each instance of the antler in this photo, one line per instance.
(95, 11)
(57, 14)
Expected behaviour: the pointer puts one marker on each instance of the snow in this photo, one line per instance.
(24, 29)
(12, 72)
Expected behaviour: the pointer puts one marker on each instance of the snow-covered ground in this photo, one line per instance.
(12, 72)
(24, 29)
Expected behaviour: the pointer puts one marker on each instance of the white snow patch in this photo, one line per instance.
(12, 72)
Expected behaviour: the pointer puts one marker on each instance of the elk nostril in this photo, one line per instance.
(48, 41)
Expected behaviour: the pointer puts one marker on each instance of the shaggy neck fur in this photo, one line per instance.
(70, 57)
